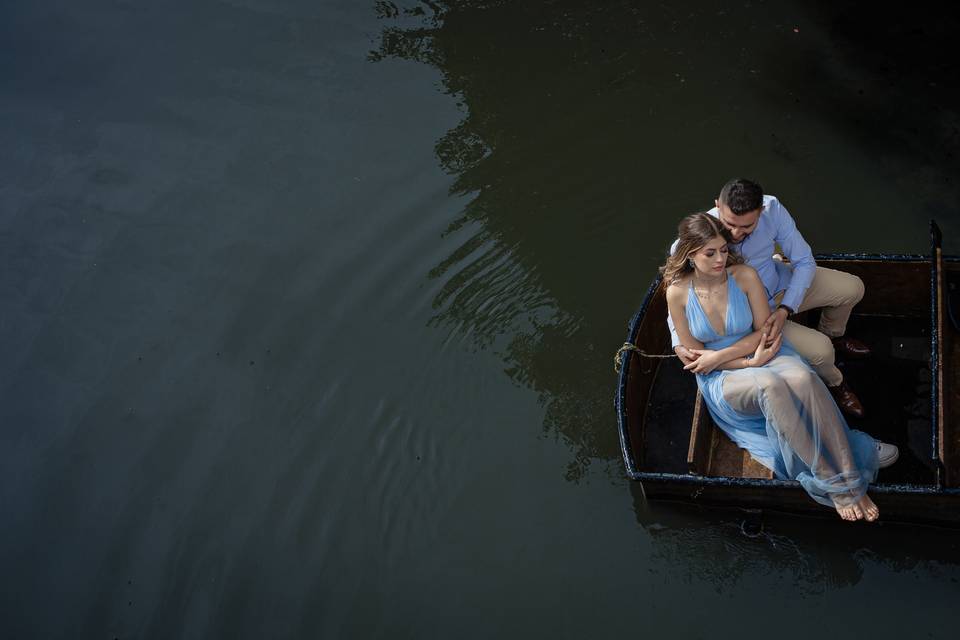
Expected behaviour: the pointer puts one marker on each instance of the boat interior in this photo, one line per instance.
(909, 312)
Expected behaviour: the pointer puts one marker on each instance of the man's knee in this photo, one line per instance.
(817, 349)
(851, 289)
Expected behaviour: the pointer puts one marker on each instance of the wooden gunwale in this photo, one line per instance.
(936, 352)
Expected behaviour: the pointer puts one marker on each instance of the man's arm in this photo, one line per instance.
(676, 300)
(797, 250)
(685, 355)
(674, 338)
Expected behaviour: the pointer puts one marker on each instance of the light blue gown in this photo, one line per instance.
(782, 413)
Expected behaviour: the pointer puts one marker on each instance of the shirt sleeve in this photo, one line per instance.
(798, 251)
(674, 338)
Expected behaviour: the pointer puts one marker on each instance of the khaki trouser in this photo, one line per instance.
(836, 293)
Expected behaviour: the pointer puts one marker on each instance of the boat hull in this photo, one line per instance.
(897, 504)
(903, 286)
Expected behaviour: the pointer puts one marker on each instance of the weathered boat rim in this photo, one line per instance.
(621, 397)
(633, 473)
(727, 481)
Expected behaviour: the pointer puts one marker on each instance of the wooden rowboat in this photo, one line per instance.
(672, 449)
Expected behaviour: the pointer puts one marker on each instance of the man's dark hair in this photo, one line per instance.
(742, 195)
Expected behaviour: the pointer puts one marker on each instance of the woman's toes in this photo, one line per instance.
(850, 513)
(870, 510)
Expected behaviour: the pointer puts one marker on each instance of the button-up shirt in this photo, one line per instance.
(774, 227)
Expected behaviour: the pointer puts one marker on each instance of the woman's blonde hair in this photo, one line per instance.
(693, 233)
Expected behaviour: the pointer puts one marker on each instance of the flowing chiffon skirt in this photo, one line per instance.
(782, 413)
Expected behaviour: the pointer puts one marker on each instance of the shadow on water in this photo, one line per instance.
(590, 128)
(722, 546)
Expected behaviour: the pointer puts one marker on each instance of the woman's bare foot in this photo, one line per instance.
(851, 512)
(870, 510)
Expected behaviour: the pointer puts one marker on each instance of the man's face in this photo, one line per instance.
(740, 226)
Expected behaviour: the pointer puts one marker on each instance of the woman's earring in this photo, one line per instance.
(690, 262)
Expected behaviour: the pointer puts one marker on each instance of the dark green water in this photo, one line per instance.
(308, 309)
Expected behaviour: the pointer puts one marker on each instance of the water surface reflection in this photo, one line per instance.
(589, 129)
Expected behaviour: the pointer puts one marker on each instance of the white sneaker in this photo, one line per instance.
(887, 454)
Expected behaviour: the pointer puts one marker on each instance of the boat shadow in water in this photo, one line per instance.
(724, 547)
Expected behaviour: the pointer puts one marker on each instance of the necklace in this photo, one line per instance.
(706, 293)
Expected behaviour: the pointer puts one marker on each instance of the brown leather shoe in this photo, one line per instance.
(850, 347)
(847, 400)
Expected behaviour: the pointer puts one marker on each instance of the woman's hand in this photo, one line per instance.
(706, 361)
(765, 354)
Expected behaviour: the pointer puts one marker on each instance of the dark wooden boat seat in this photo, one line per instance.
(712, 453)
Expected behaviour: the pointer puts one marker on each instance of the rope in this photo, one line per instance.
(629, 346)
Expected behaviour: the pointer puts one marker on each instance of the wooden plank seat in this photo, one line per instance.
(712, 453)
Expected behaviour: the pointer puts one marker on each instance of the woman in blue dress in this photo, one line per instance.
(766, 398)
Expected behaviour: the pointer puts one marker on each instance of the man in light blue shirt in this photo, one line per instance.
(758, 223)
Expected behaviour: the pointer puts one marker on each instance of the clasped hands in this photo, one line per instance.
(705, 361)
(699, 360)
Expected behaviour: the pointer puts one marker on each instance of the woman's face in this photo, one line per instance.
(711, 258)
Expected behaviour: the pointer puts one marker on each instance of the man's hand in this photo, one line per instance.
(706, 361)
(774, 325)
(686, 355)
(765, 353)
